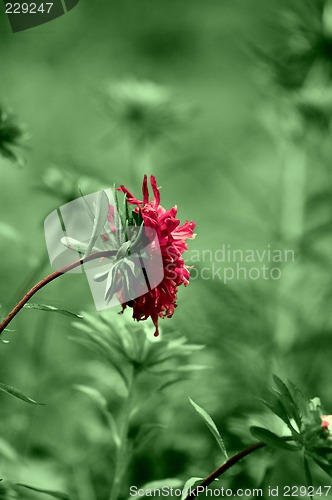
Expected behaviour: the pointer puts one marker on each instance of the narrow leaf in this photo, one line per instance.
(54, 494)
(46, 307)
(271, 439)
(287, 400)
(94, 394)
(76, 245)
(211, 426)
(7, 451)
(17, 394)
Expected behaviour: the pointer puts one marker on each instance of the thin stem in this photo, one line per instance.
(224, 467)
(48, 279)
(121, 455)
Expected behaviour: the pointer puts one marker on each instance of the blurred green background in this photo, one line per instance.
(229, 105)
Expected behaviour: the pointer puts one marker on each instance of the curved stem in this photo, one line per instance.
(224, 467)
(48, 279)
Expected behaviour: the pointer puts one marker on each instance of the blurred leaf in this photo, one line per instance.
(145, 434)
(17, 239)
(211, 426)
(7, 450)
(10, 233)
(95, 395)
(53, 494)
(45, 307)
(11, 135)
(271, 439)
(101, 345)
(17, 394)
(144, 110)
(307, 473)
(160, 370)
(101, 403)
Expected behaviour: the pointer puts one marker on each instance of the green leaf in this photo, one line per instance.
(94, 394)
(55, 494)
(101, 403)
(287, 400)
(300, 400)
(272, 401)
(76, 245)
(99, 346)
(191, 483)
(137, 216)
(323, 465)
(211, 426)
(46, 307)
(146, 433)
(17, 394)
(271, 439)
(102, 210)
(307, 473)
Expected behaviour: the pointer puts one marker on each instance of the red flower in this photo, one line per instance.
(327, 422)
(160, 302)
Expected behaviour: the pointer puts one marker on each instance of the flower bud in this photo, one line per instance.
(327, 422)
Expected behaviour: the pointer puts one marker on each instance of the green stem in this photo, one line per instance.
(122, 451)
(48, 279)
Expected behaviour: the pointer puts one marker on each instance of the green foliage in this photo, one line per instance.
(50, 493)
(17, 394)
(66, 184)
(303, 419)
(7, 490)
(144, 109)
(100, 220)
(48, 308)
(130, 345)
(11, 135)
(211, 426)
(272, 439)
(304, 43)
(255, 171)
